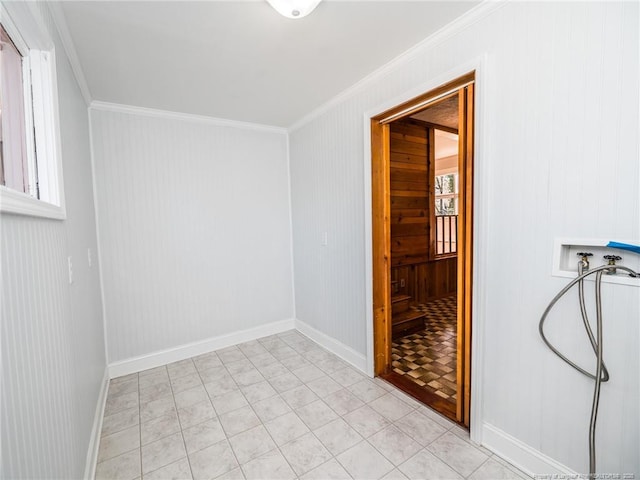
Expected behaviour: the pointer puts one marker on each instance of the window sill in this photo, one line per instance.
(22, 204)
(444, 256)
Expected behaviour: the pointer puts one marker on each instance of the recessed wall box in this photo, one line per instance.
(565, 259)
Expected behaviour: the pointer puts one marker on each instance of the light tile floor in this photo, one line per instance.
(280, 407)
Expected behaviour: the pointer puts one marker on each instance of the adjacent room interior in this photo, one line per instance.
(424, 170)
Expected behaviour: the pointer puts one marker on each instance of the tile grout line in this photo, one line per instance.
(274, 442)
(311, 431)
(366, 439)
(113, 433)
(184, 443)
(139, 422)
(301, 350)
(278, 394)
(227, 437)
(450, 430)
(333, 457)
(166, 370)
(179, 421)
(478, 467)
(391, 423)
(155, 418)
(121, 429)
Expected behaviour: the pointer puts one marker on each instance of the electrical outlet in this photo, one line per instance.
(402, 283)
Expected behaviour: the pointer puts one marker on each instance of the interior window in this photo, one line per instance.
(30, 157)
(446, 192)
(14, 157)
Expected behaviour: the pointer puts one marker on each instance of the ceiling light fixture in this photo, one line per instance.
(294, 8)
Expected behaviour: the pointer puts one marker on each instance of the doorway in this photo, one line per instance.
(422, 205)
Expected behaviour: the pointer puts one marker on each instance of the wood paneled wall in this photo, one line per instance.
(412, 270)
(409, 193)
(426, 281)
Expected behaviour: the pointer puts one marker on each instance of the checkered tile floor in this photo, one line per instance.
(428, 357)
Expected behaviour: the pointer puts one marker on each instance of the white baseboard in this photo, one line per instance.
(526, 458)
(94, 440)
(348, 354)
(163, 357)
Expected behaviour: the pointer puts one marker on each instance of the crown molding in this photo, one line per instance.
(456, 26)
(60, 22)
(187, 117)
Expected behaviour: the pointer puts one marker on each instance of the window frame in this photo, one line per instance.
(23, 24)
(431, 172)
(455, 195)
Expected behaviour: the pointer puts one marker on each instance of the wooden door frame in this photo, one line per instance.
(381, 230)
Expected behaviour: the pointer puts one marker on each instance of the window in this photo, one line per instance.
(30, 170)
(15, 171)
(446, 192)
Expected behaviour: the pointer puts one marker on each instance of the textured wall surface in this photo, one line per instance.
(558, 157)
(52, 340)
(194, 230)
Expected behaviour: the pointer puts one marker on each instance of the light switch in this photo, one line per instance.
(89, 259)
(325, 239)
(70, 264)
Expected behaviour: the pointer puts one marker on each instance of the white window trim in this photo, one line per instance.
(25, 27)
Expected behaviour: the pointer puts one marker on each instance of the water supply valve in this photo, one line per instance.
(584, 260)
(611, 260)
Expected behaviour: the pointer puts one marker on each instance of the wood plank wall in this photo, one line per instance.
(412, 270)
(409, 184)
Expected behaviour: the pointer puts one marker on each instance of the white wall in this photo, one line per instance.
(557, 156)
(194, 229)
(52, 342)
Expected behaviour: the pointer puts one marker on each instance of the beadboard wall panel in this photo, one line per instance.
(559, 157)
(194, 229)
(52, 340)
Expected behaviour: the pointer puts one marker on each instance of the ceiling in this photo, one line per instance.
(446, 145)
(240, 60)
(444, 113)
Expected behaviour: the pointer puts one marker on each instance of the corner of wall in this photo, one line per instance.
(94, 185)
(343, 351)
(289, 194)
(69, 47)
